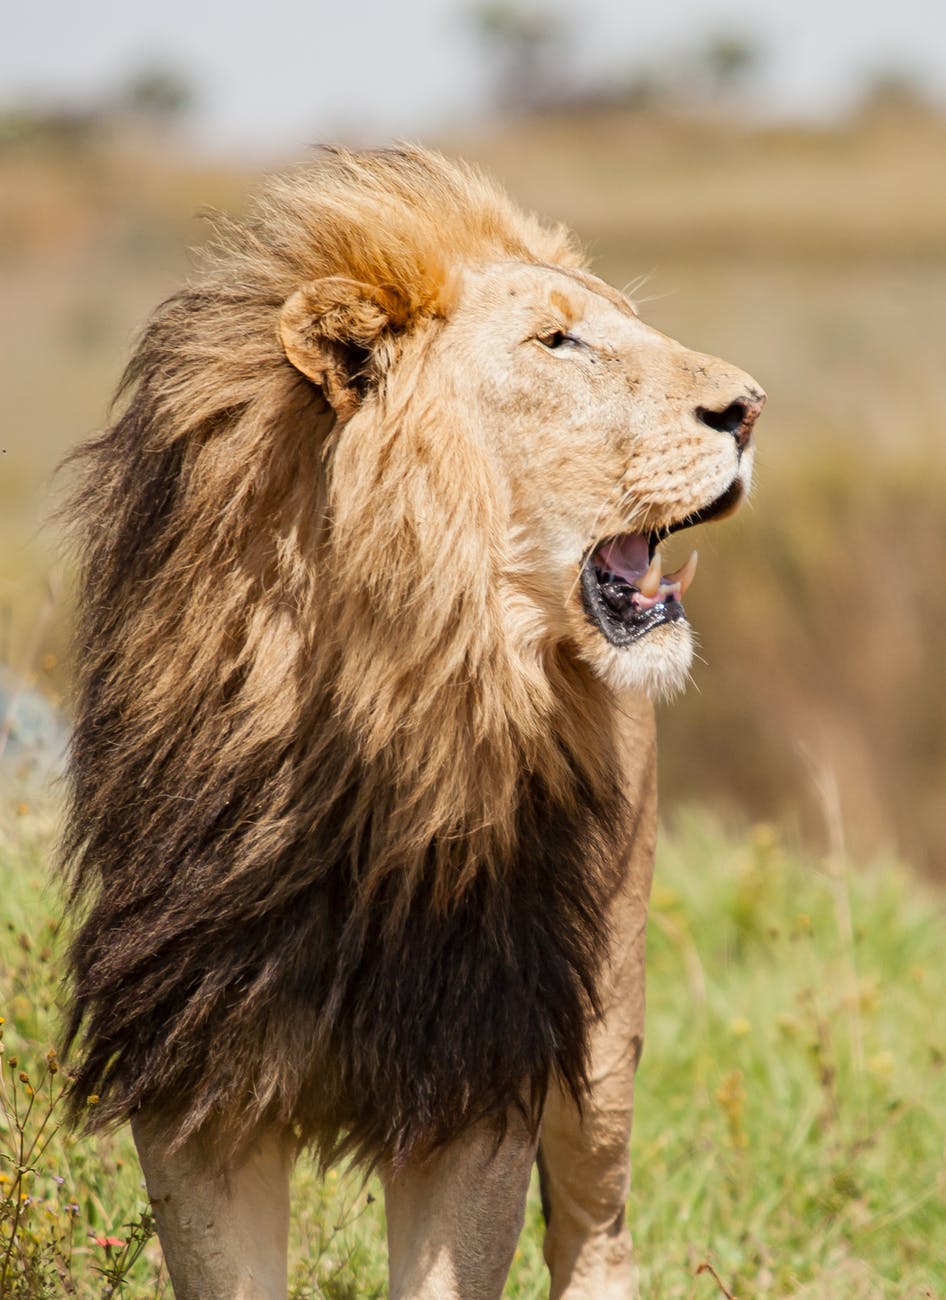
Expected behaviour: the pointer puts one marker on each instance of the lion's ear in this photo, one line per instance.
(329, 330)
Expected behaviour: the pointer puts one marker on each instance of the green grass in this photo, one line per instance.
(792, 1100)
(791, 1106)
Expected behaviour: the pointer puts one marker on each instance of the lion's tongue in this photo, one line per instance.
(628, 556)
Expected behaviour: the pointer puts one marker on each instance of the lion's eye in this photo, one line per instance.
(556, 339)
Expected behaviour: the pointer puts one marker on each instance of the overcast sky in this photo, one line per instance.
(277, 74)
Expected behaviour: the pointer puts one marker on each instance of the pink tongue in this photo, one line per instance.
(628, 556)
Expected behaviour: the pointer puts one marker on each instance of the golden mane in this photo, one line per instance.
(314, 776)
(404, 219)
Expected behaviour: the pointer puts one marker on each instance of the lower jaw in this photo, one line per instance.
(625, 629)
(657, 665)
(649, 654)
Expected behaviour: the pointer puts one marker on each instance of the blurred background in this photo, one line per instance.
(777, 176)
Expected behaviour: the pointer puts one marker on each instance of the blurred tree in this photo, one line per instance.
(531, 50)
(159, 93)
(643, 89)
(717, 70)
(68, 129)
(895, 90)
(730, 60)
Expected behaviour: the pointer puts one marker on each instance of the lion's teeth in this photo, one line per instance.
(683, 575)
(649, 584)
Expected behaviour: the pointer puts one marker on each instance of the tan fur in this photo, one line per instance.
(350, 789)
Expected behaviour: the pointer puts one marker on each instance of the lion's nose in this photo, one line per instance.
(736, 417)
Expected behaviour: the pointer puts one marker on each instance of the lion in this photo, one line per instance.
(363, 801)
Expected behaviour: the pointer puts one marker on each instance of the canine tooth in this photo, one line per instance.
(649, 584)
(683, 575)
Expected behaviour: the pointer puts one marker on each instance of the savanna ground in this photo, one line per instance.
(792, 1101)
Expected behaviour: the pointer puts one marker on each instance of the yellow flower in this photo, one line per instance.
(881, 1065)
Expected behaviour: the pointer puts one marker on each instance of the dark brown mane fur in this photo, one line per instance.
(342, 865)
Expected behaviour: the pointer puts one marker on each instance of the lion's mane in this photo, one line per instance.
(342, 854)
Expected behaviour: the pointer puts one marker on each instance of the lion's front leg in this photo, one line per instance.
(584, 1159)
(224, 1233)
(454, 1218)
(585, 1177)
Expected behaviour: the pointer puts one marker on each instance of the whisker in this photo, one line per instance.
(656, 297)
(594, 531)
(630, 290)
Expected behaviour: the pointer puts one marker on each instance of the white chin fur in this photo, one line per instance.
(658, 665)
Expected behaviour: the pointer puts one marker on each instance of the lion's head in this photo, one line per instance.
(585, 436)
(364, 558)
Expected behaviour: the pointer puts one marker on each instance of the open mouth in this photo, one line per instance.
(625, 592)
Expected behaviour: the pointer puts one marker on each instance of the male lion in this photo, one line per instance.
(363, 796)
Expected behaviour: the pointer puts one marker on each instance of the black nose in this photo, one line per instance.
(737, 417)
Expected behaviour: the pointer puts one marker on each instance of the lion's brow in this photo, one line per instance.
(596, 286)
